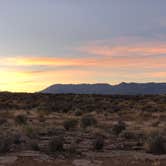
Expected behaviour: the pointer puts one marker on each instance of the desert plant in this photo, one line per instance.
(70, 124)
(5, 143)
(21, 119)
(34, 145)
(16, 138)
(72, 148)
(58, 131)
(30, 131)
(3, 121)
(98, 142)
(56, 144)
(155, 143)
(128, 134)
(118, 128)
(78, 112)
(88, 120)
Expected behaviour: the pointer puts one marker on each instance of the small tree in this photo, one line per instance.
(70, 124)
(119, 127)
(98, 142)
(21, 119)
(155, 143)
(88, 120)
(56, 144)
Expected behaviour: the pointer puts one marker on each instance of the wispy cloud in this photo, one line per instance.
(105, 61)
(124, 47)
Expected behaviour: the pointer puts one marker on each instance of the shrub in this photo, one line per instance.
(16, 138)
(70, 124)
(56, 144)
(119, 127)
(98, 143)
(155, 144)
(21, 119)
(5, 143)
(88, 120)
(128, 135)
(72, 148)
(52, 131)
(34, 145)
(151, 107)
(30, 131)
(3, 121)
(78, 112)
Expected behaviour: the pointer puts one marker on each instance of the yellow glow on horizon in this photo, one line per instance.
(24, 82)
(110, 65)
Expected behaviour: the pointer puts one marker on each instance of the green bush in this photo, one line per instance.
(88, 120)
(70, 124)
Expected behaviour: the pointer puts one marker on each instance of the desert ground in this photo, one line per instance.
(82, 130)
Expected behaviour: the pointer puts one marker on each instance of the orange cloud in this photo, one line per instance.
(158, 74)
(141, 62)
(89, 62)
(48, 61)
(125, 49)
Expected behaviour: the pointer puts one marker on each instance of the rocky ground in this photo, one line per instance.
(82, 130)
(115, 158)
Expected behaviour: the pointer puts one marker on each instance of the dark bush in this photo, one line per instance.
(56, 144)
(3, 121)
(78, 113)
(88, 120)
(31, 132)
(72, 148)
(55, 131)
(5, 143)
(128, 135)
(17, 138)
(155, 144)
(34, 145)
(98, 142)
(21, 119)
(70, 124)
(118, 128)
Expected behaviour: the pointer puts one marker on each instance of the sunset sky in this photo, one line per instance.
(43, 42)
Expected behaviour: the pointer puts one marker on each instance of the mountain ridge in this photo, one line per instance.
(123, 88)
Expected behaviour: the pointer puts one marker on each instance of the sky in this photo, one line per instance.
(44, 42)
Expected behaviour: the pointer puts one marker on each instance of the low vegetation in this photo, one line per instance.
(70, 124)
(88, 120)
(98, 143)
(118, 128)
(56, 144)
(75, 125)
(21, 119)
(155, 143)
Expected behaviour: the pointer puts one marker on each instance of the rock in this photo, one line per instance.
(7, 159)
(81, 162)
(84, 162)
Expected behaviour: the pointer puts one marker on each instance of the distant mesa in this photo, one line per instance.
(121, 89)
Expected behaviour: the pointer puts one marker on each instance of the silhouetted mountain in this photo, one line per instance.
(122, 88)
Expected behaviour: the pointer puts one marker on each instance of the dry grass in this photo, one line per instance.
(100, 115)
